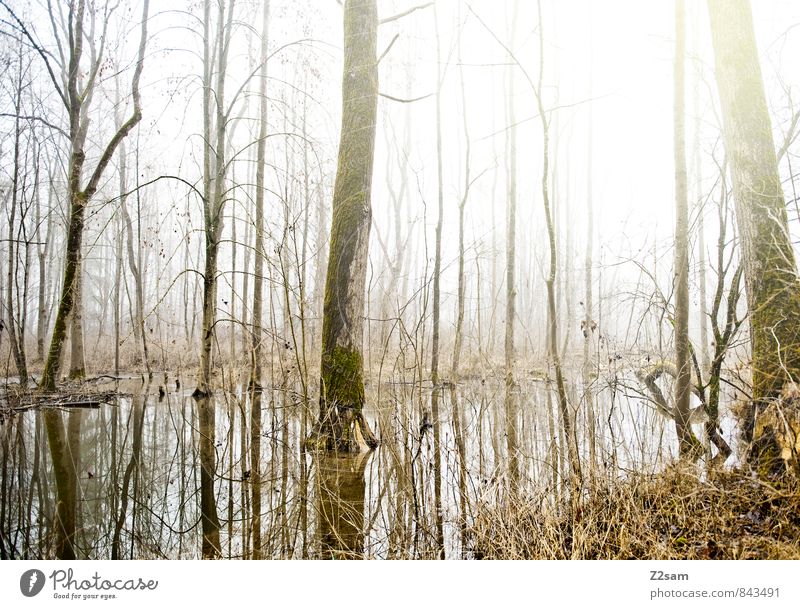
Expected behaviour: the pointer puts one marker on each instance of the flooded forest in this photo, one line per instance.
(333, 279)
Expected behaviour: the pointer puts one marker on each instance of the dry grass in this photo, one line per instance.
(671, 515)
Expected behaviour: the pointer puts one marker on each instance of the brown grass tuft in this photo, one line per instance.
(670, 515)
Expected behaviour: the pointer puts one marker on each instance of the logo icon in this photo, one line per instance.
(31, 582)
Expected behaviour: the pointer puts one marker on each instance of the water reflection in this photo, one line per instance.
(227, 476)
(340, 504)
(209, 519)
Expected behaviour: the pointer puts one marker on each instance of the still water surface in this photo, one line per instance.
(163, 475)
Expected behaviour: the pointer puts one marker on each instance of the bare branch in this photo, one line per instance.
(45, 122)
(405, 101)
(42, 53)
(389, 48)
(404, 13)
(136, 116)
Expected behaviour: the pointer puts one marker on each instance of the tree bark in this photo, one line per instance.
(77, 366)
(770, 270)
(683, 378)
(342, 367)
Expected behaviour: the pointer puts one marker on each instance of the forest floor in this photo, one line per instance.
(674, 514)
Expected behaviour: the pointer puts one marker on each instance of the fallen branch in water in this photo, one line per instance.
(13, 402)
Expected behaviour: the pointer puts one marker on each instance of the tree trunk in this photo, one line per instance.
(41, 321)
(511, 287)
(461, 209)
(214, 198)
(135, 268)
(552, 313)
(77, 366)
(258, 272)
(687, 444)
(118, 278)
(770, 271)
(589, 325)
(435, 340)
(342, 368)
(16, 330)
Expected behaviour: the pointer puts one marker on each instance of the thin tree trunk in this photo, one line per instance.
(258, 296)
(461, 208)
(552, 330)
(437, 271)
(683, 379)
(134, 265)
(16, 331)
(214, 205)
(511, 286)
(43, 253)
(258, 272)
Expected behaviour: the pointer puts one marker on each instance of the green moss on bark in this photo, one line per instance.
(343, 378)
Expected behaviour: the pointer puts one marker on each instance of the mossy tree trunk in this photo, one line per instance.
(341, 491)
(65, 475)
(77, 363)
(770, 271)
(76, 101)
(342, 370)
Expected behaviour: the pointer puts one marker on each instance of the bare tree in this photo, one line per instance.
(684, 370)
(133, 256)
(15, 322)
(75, 94)
(215, 165)
(511, 285)
(258, 291)
(550, 281)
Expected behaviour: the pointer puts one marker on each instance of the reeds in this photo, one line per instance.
(674, 514)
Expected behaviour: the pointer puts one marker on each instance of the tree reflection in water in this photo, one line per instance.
(227, 475)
